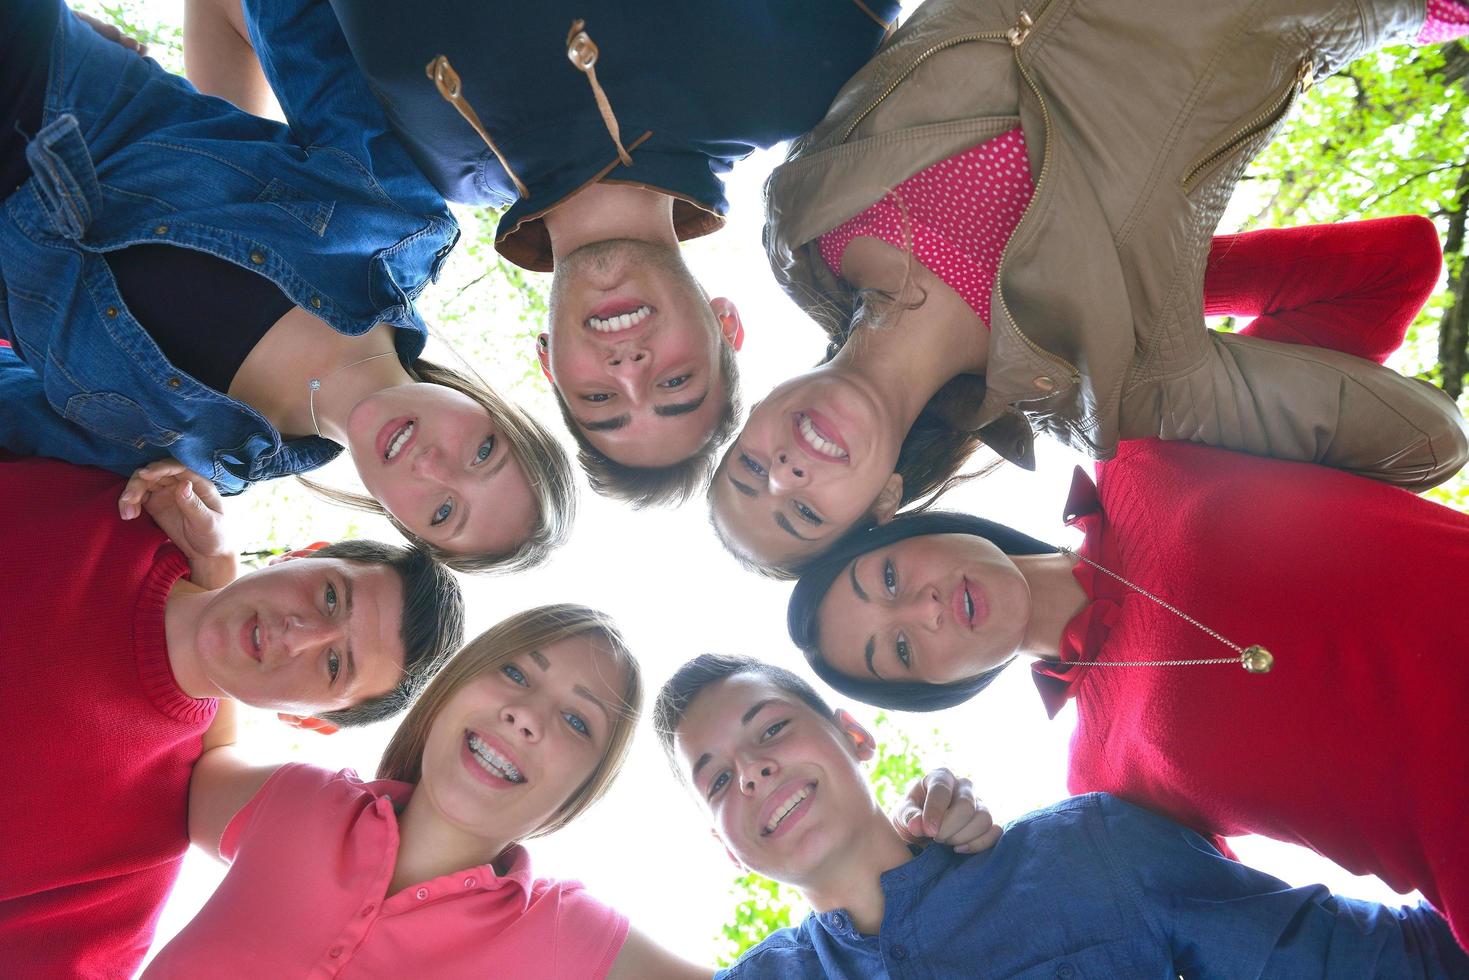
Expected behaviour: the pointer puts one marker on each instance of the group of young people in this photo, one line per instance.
(1002, 216)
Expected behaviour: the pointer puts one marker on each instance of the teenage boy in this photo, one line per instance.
(114, 661)
(1092, 886)
(606, 128)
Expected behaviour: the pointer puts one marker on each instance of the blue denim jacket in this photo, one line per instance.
(330, 208)
(1096, 887)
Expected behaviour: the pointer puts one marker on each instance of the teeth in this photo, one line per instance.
(622, 321)
(255, 636)
(784, 810)
(813, 438)
(399, 440)
(494, 761)
(968, 605)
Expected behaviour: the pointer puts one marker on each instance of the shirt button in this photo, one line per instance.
(838, 921)
(316, 302)
(161, 230)
(1044, 384)
(470, 882)
(368, 909)
(257, 257)
(174, 382)
(1065, 970)
(900, 952)
(112, 311)
(421, 894)
(334, 952)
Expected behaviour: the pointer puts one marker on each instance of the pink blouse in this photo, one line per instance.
(306, 896)
(954, 216)
(1447, 20)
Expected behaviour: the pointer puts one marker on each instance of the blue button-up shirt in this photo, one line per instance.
(330, 208)
(1095, 887)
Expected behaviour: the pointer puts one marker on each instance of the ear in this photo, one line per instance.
(299, 552)
(862, 741)
(731, 328)
(543, 354)
(309, 724)
(727, 852)
(889, 500)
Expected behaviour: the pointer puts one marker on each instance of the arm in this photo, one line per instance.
(222, 783)
(1353, 286)
(220, 60)
(643, 959)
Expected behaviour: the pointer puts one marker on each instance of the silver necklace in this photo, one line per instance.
(314, 385)
(1255, 659)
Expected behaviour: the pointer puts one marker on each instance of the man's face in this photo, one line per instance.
(781, 783)
(633, 348)
(304, 636)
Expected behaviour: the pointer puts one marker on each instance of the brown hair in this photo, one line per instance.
(645, 486)
(541, 457)
(516, 637)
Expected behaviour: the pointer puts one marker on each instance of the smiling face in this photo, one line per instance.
(935, 608)
(304, 636)
(633, 349)
(781, 783)
(510, 747)
(438, 462)
(816, 456)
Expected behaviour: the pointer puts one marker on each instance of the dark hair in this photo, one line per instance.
(432, 628)
(645, 486)
(710, 668)
(818, 575)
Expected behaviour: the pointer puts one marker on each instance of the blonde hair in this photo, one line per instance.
(494, 648)
(545, 464)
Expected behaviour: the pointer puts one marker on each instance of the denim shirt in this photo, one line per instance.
(1095, 887)
(329, 207)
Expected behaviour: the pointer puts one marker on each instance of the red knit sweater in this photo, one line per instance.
(1355, 744)
(98, 739)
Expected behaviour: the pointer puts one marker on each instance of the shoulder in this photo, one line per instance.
(302, 798)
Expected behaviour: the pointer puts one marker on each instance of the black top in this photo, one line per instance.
(26, 29)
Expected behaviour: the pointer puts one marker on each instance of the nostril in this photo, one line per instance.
(798, 472)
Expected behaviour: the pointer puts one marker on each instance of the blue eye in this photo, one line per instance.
(331, 598)
(752, 466)
(485, 451)
(677, 382)
(807, 514)
(719, 783)
(333, 665)
(890, 578)
(513, 672)
(442, 514)
(577, 725)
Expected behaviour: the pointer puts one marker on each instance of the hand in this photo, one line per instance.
(188, 509)
(942, 809)
(113, 33)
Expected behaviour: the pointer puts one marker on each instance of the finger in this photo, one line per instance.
(962, 811)
(983, 842)
(940, 793)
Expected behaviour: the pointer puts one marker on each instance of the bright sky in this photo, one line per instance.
(676, 593)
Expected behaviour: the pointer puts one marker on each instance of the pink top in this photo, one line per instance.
(1447, 20)
(312, 855)
(955, 216)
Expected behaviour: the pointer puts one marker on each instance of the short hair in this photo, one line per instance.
(516, 637)
(708, 669)
(818, 575)
(671, 485)
(543, 460)
(432, 626)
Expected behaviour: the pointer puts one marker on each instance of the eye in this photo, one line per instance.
(890, 578)
(905, 652)
(597, 398)
(720, 781)
(485, 451)
(807, 514)
(331, 598)
(577, 724)
(333, 665)
(752, 466)
(513, 672)
(677, 382)
(442, 514)
(773, 730)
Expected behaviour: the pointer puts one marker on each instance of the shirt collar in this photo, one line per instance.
(905, 877)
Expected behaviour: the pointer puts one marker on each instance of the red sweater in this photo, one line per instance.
(1355, 744)
(99, 741)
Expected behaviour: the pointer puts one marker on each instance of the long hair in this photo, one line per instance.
(544, 462)
(516, 637)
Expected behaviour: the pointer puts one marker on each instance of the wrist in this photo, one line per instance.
(213, 571)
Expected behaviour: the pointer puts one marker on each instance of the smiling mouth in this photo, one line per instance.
(816, 442)
(787, 807)
(622, 321)
(399, 440)
(492, 761)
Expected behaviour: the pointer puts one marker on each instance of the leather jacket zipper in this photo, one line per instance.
(913, 66)
(1305, 77)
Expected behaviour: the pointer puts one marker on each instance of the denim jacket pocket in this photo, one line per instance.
(117, 417)
(312, 213)
(66, 181)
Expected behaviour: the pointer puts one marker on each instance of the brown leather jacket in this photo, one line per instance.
(1139, 117)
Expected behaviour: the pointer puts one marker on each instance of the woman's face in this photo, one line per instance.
(439, 464)
(815, 456)
(511, 746)
(931, 609)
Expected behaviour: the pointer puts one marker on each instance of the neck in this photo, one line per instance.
(183, 613)
(604, 212)
(853, 881)
(429, 846)
(1055, 599)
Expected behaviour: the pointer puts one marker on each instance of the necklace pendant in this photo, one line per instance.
(1257, 660)
(315, 384)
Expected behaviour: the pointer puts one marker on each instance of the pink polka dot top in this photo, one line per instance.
(955, 216)
(1447, 20)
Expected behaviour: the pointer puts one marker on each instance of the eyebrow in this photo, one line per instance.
(606, 713)
(867, 654)
(857, 588)
(742, 488)
(682, 408)
(748, 716)
(351, 660)
(540, 660)
(606, 425)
